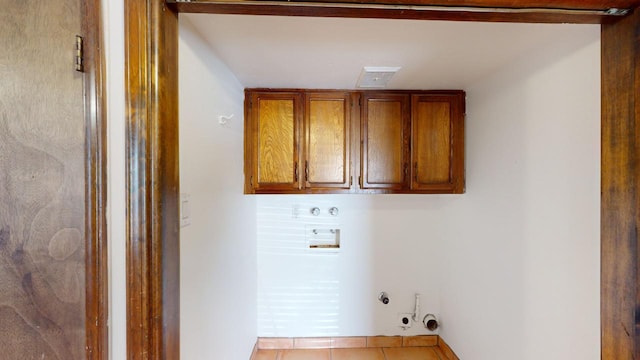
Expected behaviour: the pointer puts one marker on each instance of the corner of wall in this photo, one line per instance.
(218, 248)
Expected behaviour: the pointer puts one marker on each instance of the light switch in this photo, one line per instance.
(185, 210)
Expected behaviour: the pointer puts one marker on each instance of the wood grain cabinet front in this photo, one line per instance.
(297, 141)
(437, 143)
(303, 141)
(327, 151)
(384, 141)
(272, 141)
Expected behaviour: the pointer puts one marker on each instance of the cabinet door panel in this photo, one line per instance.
(384, 163)
(327, 146)
(275, 118)
(437, 149)
(275, 141)
(432, 143)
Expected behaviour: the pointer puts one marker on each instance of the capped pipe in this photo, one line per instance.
(430, 322)
(383, 297)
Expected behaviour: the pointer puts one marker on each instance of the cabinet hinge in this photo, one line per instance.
(79, 61)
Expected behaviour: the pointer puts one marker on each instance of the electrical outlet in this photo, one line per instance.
(405, 320)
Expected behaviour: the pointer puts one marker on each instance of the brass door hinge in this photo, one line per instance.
(79, 64)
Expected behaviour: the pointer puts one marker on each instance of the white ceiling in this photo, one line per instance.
(329, 53)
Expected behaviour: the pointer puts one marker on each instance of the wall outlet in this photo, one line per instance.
(405, 320)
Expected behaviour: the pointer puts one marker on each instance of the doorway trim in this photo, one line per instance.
(153, 183)
(96, 258)
(619, 273)
(153, 228)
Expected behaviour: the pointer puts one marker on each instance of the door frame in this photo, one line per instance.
(151, 45)
(152, 179)
(96, 254)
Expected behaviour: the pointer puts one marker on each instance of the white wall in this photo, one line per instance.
(521, 255)
(511, 267)
(218, 250)
(218, 270)
(388, 243)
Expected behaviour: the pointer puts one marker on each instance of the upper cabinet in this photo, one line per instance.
(437, 143)
(327, 138)
(273, 128)
(385, 134)
(299, 141)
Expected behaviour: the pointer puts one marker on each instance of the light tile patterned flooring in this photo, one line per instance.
(398, 353)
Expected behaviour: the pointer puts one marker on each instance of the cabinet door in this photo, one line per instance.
(275, 119)
(384, 153)
(437, 149)
(327, 139)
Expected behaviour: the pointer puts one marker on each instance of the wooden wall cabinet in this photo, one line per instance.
(327, 135)
(299, 141)
(384, 141)
(437, 143)
(272, 141)
(412, 142)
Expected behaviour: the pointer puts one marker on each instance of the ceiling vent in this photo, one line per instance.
(376, 77)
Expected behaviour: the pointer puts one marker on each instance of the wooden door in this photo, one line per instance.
(275, 130)
(437, 148)
(42, 182)
(327, 138)
(384, 141)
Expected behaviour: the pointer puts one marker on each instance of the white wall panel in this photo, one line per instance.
(522, 250)
(387, 243)
(218, 250)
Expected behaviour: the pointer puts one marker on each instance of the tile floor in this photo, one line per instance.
(423, 347)
(370, 353)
